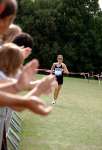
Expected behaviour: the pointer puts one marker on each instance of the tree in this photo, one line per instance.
(69, 27)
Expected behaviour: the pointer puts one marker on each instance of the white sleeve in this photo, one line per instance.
(3, 76)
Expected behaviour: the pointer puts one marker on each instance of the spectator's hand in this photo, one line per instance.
(27, 75)
(26, 52)
(43, 86)
(34, 104)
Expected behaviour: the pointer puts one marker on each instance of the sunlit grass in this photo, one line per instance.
(74, 124)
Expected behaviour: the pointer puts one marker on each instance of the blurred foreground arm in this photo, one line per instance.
(20, 103)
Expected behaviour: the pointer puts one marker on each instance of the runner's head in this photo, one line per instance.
(60, 58)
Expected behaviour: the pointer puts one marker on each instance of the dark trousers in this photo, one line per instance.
(4, 140)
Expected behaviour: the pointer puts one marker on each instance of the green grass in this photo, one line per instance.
(74, 124)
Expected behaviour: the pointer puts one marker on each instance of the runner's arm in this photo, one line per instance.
(65, 69)
(52, 68)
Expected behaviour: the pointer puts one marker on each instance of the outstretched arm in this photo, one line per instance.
(20, 103)
(52, 68)
(43, 86)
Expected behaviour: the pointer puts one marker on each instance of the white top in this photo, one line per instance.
(3, 76)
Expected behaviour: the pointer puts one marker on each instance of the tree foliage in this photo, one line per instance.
(69, 27)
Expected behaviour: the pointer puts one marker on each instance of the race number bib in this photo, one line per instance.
(58, 71)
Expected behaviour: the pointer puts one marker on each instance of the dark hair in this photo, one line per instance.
(9, 9)
(24, 39)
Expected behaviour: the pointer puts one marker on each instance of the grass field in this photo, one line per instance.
(74, 124)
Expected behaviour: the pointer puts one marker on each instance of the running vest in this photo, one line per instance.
(58, 70)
